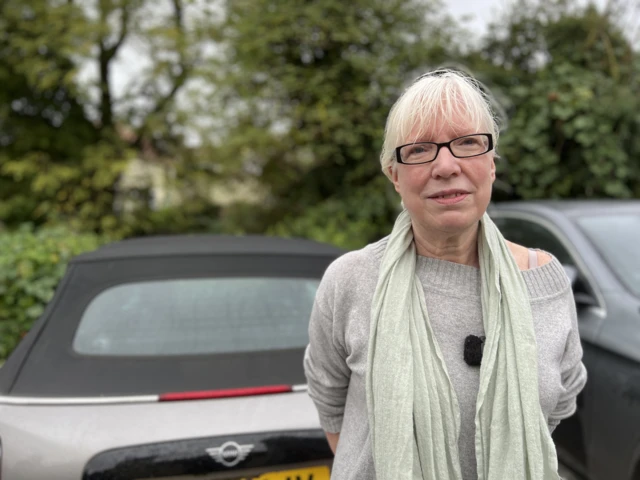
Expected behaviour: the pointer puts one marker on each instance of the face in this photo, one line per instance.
(450, 194)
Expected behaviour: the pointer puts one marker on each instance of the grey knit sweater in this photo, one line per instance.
(336, 358)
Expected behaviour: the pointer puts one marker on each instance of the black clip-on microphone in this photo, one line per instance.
(473, 346)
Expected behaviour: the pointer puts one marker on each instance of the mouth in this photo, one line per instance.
(447, 198)
(448, 194)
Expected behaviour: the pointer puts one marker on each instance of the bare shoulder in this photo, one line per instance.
(521, 255)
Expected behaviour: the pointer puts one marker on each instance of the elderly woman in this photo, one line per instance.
(397, 392)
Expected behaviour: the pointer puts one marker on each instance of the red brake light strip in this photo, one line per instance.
(227, 393)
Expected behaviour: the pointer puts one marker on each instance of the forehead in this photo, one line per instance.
(440, 128)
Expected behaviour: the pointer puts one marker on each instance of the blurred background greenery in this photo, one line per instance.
(258, 116)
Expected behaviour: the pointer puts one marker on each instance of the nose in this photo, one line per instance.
(445, 165)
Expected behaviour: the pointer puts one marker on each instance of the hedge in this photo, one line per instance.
(32, 262)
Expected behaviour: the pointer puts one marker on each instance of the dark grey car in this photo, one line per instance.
(172, 357)
(599, 243)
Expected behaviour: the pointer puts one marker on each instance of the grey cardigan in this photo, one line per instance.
(336, 358)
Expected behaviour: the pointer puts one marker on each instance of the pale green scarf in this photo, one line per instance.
(413, 410)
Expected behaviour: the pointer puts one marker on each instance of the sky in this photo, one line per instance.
(480, 12)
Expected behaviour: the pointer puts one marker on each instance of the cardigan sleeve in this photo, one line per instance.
(573, 371)
(325, 364)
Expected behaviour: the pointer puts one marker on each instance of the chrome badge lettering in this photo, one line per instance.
(230, 454)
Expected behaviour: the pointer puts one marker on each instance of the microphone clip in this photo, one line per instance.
(473, 346)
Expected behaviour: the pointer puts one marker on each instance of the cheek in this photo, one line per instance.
(483, 180)
(481, 175)
(412, 179)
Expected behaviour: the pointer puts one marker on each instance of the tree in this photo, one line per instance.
(41, 117)
(308, 94)
(65, 144)
(571, 77)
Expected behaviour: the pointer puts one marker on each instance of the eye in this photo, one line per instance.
(420, 149)
(417, 149)
(417, 152)
(469, 146)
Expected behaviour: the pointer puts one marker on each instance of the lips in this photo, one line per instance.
(448, 194)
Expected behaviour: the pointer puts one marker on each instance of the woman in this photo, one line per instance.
(386, 360)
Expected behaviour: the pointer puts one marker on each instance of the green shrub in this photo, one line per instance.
(31, 265)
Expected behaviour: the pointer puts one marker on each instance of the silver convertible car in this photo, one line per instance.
(170, 358)
(599, 244)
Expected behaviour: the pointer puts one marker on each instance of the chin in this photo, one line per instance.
(452, 221)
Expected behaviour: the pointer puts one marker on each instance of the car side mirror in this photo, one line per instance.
(583, 299)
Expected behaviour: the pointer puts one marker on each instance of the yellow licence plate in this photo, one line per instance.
(311, 473)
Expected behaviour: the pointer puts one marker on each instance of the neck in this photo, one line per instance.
(458, 248)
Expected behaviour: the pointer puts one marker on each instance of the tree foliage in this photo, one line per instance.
(571, 77)
(288, 99)
(309, 91)
(42, 124)
(64, 144)
(31, 265)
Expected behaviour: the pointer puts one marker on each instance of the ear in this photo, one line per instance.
(493, 169)
(393, 173)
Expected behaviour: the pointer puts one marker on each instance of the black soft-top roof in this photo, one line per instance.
(182, 245)
(45, 363)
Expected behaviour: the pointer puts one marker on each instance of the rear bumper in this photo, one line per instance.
(229, 456)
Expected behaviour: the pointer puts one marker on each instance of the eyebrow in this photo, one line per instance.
(431, 138)
(426, 131)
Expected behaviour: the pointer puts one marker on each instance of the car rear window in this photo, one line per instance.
(197, 316)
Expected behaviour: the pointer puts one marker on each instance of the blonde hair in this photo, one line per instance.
(439, 99)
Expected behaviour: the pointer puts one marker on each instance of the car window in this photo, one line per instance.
(615, 236)
(533, 235)
(197, 316)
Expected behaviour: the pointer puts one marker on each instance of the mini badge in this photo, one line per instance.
(230, 454)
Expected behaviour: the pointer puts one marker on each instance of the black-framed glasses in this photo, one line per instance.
(461, 147)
